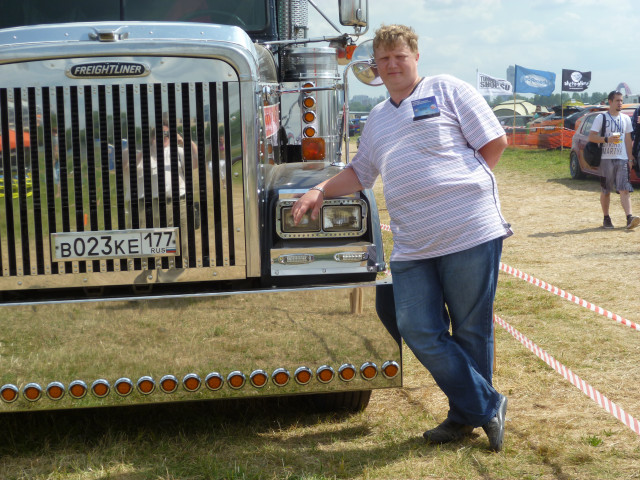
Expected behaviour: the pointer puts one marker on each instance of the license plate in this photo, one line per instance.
(151, 242)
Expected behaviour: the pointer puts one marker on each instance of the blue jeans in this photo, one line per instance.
(457, 291)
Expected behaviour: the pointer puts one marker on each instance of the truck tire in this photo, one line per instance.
(354, 401)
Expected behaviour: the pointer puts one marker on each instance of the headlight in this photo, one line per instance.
(338, 218)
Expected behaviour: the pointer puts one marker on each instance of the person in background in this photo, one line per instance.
(617, 159)
(434, 143)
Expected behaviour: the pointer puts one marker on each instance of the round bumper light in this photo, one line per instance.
(236, 380)
(214, 381)
(191, 382)
(32, 392)
(303, 375)
(123, 387)
(146, 385)
(9, 393)
(100, 388)
(280, 377)
(347, 372)
(55, 391)
(390, 369)
(168, 384)
(77, 389)
(369, 370)
(325, 374)
(259, 378)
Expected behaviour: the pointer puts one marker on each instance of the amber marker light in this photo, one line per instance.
(146, 385)
(308, 85)
(347, 372)
(55, 391)
(123, 386)
(303, 375)
(191, 382)
(325, 374)
(77, 389)
(369, 370)
(32, 392)
(214, 381)
(309, 132)
(9, 393)
(280, 377)
(309, 102)
(258, 378)
(313, 149)
(168, 384)
(308, 117)
(390, 369)
(100, 388)
(236, 379)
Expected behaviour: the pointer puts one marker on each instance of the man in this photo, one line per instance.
(617, 159)
(434, 143)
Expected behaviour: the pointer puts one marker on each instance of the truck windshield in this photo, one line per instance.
(250, 15)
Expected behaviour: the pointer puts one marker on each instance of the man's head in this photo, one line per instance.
(395, 51)
(389, 36)
(615, 101)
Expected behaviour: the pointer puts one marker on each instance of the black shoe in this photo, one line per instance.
(632, 222)
(607, 223)
(447, 431)
(495, 427)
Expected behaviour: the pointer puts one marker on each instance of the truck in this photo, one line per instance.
(150, 155)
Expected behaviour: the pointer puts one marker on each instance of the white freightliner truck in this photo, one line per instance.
(150, 152)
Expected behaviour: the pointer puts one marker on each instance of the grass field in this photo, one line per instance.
(553, 430)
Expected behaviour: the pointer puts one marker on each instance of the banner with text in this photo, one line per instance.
(534, 81)
(575, 81)
(488, 85)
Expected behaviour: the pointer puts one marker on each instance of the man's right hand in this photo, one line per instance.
(312, 200)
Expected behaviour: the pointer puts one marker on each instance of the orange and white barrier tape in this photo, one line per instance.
(580, 384)
(567, 296)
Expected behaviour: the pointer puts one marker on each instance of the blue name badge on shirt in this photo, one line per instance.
(425, 108)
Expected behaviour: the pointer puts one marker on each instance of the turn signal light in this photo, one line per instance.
(32, 392)
(214, 381)
(77, 389)
(258, 378)
(325, 374)
(236, 380)
(347, 372)
(9, 393)
(369, 370)
(55, 391)
(146, 385)
(100, 388)
(303, 375)
(281, 377)
(191, 382)
(390, 369)
(168, 384)
(123, 387)
(313, 148)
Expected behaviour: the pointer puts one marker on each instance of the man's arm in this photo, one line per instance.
(344, 183)
(492, 151)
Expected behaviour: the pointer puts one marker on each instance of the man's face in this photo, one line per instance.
(397, 66)
(616, 103)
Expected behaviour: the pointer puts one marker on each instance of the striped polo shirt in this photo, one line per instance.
(441, 195)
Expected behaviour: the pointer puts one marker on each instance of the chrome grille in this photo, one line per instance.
(85, 162)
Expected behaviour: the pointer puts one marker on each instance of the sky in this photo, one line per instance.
(461, 37)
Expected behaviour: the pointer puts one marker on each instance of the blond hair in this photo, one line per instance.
(389, 36)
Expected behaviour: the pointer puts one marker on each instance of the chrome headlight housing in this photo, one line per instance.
(338, 218)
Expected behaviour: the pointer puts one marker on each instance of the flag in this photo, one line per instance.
(575, 81)
(534, 81)
(488, 85)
